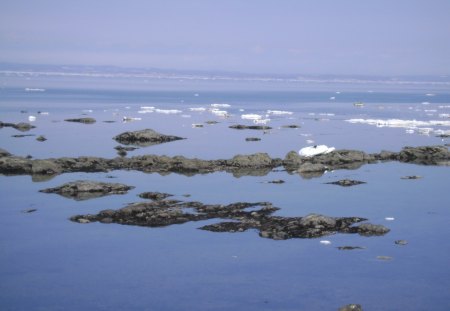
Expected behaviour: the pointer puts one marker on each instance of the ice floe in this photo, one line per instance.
(399, 122)
(220, 105)
(261, 121)
(168, 111)
(29, 89)
(279, 112)
(219, 113)
(251, 116)
(198, 109)
(129, 119)
(315, 150)
(31, 118)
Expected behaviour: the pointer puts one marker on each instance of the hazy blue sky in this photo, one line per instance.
(276, 36)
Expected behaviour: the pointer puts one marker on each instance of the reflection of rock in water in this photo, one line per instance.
(144, 138)
(85, 189)
(257, 164)
(242, 216)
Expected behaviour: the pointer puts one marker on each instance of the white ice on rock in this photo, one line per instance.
(315, 150)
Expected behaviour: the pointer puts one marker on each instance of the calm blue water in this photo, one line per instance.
(50, 263)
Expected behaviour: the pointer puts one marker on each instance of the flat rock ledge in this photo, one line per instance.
(258, 164)
(22, 126)
(86, 189)
(241, 217)
(82, 120)
(144, 138)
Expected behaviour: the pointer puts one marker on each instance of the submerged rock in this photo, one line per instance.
(351, 307)
(82, 120)
(252, 139)
(291, 126)
(346, 182)
(144, 138)
(250, 127)
(240, 217)
(22, 126)
(41, 138)
(411, 177)
(85, 189)
(155, 196)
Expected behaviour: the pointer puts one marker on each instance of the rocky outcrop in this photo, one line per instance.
(85, 189)
(144, 138)
(346, 182)
(167, 212)
(155, 196)
(82, 120)
(22, 126)
(258, 164)
(250, 127)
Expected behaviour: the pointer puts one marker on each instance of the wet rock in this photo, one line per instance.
(411, 177)
(85, 189)
(22, 135)
(41, 138)
(155, 196)
(371, 230)
(22, 126)
(109, 121)
(144, 138)
(250, 127)
(351, 307)
(252, 139)
(82, 120)
(291, 126)
(401, 242)
(240, 217)
(211, 122)
(45, 167)
(276, 181)
(30, 210)
(346, 182)
(349, 248)
(428, 155)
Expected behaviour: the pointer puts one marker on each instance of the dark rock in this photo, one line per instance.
(349, 248)
(351, 307)
(144, 138)
(85, 189)
(4, 153)
(276, 181)
(252, 139)
(411, 177)
(401, 242)
(45, 167)
(155, 196)
(82, 120)
(250, 127)
(41, 138)
(291, 126)
(129, 148)
(30, 210)
(346, 182)
(22, 126)
(109, 121)
(370, 229)
(428, 155)
(22, 135)
(211, 122)
(239, 218)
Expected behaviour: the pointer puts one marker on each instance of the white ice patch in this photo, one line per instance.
(168, 111)
(279, 112)
(261, 121)
(315, 150)
(325, 242)
(399, 122)
(197, 109)
(31, 118)
(220, 105)
(129, 119)
(251, 116)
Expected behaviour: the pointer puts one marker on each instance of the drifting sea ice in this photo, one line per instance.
(220, 105)
(279, 112)
(315, 150)
(198, 109)
(251, 116)
(168, 111)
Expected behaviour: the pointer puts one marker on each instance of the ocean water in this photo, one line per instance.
(50, 263)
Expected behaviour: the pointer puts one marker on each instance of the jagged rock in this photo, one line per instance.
(85, 189)
(41, 138)
(346, 182)
(144, 138)
(370, 229)
(259, 217)
(250, 127)
(155, 196)
(45, 167)
(82, 120)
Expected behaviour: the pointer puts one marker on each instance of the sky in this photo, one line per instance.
(373, 37)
